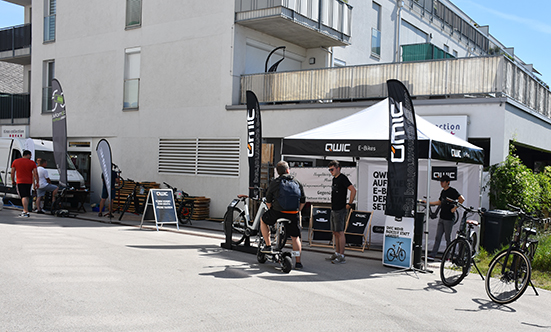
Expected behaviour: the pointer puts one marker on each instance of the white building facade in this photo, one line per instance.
(163, 81)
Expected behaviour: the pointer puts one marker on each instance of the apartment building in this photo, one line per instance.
(164, 82)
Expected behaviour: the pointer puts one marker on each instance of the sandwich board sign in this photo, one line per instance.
(160, 206)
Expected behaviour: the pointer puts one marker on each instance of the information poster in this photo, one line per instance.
(398, 242)
(317, 181)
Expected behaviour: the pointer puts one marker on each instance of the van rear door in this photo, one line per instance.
(5, 164)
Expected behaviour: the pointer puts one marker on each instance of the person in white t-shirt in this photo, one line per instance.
(44, 185)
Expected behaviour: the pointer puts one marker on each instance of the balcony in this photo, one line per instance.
(14, 108)
(306, 23)
(15, 44)
(464, 77)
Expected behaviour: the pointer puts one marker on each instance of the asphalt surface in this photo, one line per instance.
(79, 274)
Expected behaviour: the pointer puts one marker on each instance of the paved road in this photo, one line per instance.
(60, 274)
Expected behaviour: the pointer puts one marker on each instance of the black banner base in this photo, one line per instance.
(241, 248)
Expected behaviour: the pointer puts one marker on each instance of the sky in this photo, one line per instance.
(522, 25)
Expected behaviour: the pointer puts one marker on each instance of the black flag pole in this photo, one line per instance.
(103, 150)
(59, 131)
(403, 160)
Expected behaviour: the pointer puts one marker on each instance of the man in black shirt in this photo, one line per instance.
(339, 209)
(447, 211)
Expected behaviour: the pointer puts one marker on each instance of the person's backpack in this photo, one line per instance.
(289, 194)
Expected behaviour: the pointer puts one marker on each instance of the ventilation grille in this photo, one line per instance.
(199, 156)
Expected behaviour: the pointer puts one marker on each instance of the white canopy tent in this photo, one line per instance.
(363, 136)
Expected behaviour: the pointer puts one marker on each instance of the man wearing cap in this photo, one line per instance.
(447, 211)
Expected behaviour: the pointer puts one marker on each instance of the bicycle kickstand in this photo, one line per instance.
(534, 288)
(480, 273)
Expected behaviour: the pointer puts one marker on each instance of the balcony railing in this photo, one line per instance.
(308, 23)
(425, 51)
(15, 42)
(478, 76)
(14, 108)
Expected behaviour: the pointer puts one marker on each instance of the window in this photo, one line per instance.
(376, 32)
(455, 54)
(49, 20)
(48, 74)
(446, 48)
(133, 13)
(200, 156)
(132, 78)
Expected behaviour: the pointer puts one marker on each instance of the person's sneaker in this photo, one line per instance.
(339, 260)
(266, 250)
(430, 258)
(24, 215)
(40, 212)
(298, 266)
(332, 257)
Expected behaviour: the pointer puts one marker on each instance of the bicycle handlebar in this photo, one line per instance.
(471, 209)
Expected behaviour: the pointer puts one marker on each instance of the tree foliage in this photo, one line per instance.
(511, 182)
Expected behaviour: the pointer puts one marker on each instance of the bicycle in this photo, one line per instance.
(239, 229)
(184, 205)
(393, 252)
(510, 271)
(57, 206)
(133, 198)
(460, 253)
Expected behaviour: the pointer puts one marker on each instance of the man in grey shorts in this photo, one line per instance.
(339, 209)
(45, 185)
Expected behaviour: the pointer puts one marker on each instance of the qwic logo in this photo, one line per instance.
(162, 193)
(456, 153)
(251, 115)
(337, 147)
(398, 134)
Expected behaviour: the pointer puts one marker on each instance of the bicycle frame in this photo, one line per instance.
(255, 226)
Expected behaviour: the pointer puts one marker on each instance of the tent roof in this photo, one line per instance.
(366, 133)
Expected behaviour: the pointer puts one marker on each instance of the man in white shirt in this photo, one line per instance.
(45, 185)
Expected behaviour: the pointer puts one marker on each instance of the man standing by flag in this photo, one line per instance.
(25, 169)
(339, 209)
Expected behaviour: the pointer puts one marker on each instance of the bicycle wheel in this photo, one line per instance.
(390, 254)
(278, 235)
(531, 248)
(508, 276)
(286, 264)
(184, 212)
(401, 255)
(456, 262)
(119, 183)
(474, 242)
(237, 226)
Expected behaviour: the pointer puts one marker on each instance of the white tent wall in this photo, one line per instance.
(372, 192)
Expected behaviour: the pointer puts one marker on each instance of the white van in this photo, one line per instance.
(12, 148)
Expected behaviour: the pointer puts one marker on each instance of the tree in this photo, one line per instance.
(511, 182)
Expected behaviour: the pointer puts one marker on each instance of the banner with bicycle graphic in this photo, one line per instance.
(398, 242)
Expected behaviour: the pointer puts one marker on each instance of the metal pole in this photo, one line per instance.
(427, 210)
